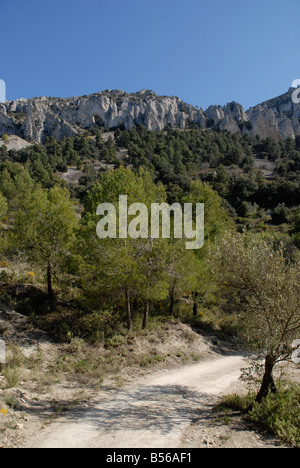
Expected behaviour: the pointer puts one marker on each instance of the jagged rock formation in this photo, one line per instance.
(36, 118)
(277, 118)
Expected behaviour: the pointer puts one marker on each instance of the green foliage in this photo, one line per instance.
(139, 187)
(262, 288)
(224, 160)
(46, 224)
(176, 158)
(214, 168)
(122, 268)
(216, 217)
(175, 154)
(281, 214)
(3, 208)
(148, 270)
(234, 402)
(45, 229)
(280, 414)
(242, 285)
(16, 186)
(3, 212)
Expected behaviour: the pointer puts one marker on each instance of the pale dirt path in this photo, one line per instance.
(152, 414)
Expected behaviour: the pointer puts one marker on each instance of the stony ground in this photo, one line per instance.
(46, 383)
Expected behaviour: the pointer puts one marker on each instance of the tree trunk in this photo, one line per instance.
(49, 284)
(146, 314)
(128, 310)
(268, 380)
(195, 305)
(172, 303)
(172, 299)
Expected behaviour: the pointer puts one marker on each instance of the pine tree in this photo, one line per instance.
(45, 229)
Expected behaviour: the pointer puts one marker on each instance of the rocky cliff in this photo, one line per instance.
(36, 118)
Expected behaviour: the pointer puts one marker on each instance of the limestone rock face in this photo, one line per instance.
(236, 112)
(263, 123)
(41, 121)
(37, 118)
(215, 114)
(64, 117)
(7, 124)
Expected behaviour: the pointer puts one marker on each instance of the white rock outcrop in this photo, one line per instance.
(36, 118)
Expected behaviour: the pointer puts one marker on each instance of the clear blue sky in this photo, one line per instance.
(205, 52)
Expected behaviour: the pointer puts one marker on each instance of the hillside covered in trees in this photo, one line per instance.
(231, 164)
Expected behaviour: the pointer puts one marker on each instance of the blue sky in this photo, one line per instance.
(205, 52)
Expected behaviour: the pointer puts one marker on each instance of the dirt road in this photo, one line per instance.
(151, 414)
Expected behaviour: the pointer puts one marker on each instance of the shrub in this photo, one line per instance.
(12, 377)
(281, 214)
(280, 414)
(234, 402)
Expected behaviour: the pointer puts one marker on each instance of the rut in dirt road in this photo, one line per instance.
(151, 415)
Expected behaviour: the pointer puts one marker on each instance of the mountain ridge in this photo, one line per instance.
(36, 118)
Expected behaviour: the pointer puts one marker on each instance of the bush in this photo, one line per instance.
(281, 214)
(234, 402)
(280, 414)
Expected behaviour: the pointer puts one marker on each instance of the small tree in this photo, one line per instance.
(182, 268)
(45, 229)
(217, 221)
(151, 259)
(263, 289)
(216, 217)
(117, 265)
